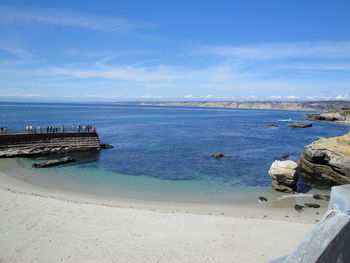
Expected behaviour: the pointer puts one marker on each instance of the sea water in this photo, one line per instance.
(163, 153)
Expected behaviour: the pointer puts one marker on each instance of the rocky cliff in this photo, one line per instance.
(268, 105)
(340, 116)
(326, 161)
(12, 145)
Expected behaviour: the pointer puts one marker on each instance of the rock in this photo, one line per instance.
(299, 208)
(217, 155)
(262, 199)
(312, 205)
(285, 156)
(271, 125)
(321, 197)
(53, 162)
(328, 116)
(105, 146)
(284, 176)
(300, 125)
(326, 161)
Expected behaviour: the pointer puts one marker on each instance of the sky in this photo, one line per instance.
(174, 50)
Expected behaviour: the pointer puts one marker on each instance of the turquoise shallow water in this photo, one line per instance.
(163, 153)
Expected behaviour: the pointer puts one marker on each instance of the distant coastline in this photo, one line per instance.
(266, 105)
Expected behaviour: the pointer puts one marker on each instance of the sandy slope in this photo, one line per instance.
(43, 229)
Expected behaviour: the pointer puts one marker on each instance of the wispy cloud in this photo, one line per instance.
(18, 52)
(159, 73)
(65, 17)
(307, 49)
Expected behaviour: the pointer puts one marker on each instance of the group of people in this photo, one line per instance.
(48, 129)
(86, 128)
(3, 130)
(56, 129)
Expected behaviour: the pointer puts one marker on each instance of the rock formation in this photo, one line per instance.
(329, 116)
(217, 155)
(341, 115)
(52, 163)
(300, 125)
(284, 176)
(270, 125)
(326, 161)
(106, 146)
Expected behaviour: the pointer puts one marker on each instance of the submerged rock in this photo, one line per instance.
(271, 125)
(284, 176)
(262, 199)
(105, 146)
(321, 197)
(326, 161)
(312, 205)
(285, 156)
(53, 162)
(300, 125)
(217, 155)
(299, 208)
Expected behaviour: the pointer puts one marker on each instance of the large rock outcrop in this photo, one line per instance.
(326, 117)
(300, 125)
(326, 161)
(284, 176)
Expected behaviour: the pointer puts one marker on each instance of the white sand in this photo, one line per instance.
(42, 229)
(38, 228)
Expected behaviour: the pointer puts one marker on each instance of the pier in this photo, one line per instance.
(23, 142)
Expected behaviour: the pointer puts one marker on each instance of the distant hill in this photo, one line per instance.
(271, 105)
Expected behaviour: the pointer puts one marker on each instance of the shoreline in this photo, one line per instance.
(279, 207)
(50, 225)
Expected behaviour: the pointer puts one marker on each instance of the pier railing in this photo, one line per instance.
(329, 241)
(8, 131)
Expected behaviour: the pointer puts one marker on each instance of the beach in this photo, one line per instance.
(47, 225)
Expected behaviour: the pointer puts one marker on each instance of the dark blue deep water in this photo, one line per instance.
(166, 150)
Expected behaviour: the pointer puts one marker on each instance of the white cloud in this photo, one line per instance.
(292, 97)
(65, 17)
(20, 95)
(18, 52)
(275, 97)
(307, 49)
(158, 73)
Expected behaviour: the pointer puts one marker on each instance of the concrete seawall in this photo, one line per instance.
(12, 145)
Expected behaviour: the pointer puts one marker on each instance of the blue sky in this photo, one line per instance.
(174, 50)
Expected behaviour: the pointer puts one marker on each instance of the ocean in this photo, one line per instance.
(163, 153)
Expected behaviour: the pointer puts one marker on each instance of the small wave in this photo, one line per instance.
(286, 120)
(294, 196)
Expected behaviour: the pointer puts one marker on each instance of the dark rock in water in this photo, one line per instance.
(285, 156)
(53, 162)
(262, 199)
(312, 205)
(299, 125)
(299, 208)
(106, 146)
(271, 125)
(321, 197)
(217, 155)
(326, 162)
